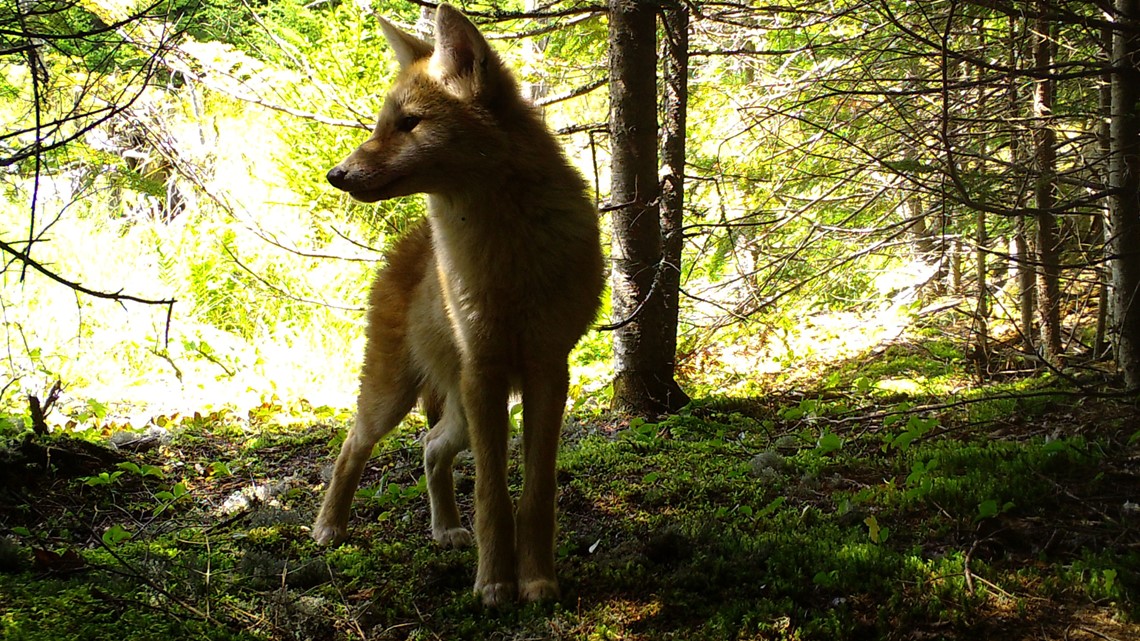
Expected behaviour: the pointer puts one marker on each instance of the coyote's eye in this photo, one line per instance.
(407, 123)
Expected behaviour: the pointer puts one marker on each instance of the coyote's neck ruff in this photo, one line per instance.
(488, 298)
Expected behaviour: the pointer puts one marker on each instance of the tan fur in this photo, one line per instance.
(486, 298)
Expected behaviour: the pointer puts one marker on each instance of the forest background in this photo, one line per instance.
(850, 160)
(856, 175)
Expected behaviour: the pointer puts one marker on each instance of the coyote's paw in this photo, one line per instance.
(455, 537)
(538, 590)
(495, 595)
(328, 534)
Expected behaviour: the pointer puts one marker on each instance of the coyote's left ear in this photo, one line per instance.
(461, 55)
(407, 47)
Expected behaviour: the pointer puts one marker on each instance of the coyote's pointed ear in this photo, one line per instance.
(460, 50)
(407, 47)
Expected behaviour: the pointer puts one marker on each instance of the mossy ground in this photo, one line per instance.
(844, 511)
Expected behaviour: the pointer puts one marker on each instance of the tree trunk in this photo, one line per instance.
(1124, 178)
(981, 239)
(982, 332)
(1022, 252)
(1045, 141)
(1102, 222)
(1027, 293)
(535, 48)
(643, 358)
(955, 256)
(922, 239)
(673, 135)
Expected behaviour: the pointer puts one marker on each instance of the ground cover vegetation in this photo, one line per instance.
(894, 259)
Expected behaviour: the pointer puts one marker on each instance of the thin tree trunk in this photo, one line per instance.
(673, 135)
(1027, 292)
(1045, 141)
(924, 248)
(982, 334)
(643, 364)
(981, 238)
(535, 48)
(1102, 222)
(1124, 178)
(1022, 251)
(955, 256)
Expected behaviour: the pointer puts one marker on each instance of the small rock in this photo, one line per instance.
(767, 462)
(153, 437)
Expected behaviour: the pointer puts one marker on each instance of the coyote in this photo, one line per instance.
(485, 298)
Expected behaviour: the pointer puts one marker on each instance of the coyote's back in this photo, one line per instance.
(486, 298)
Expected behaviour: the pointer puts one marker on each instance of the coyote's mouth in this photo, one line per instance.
(367, 196)
(383, 191)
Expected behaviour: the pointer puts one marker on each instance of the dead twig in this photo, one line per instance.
(40, 411)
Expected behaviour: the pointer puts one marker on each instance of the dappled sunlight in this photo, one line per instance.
(817, 342)
(227, 341)
(907, 386)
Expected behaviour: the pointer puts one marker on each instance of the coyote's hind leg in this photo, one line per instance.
(443, 442)
(381, 406)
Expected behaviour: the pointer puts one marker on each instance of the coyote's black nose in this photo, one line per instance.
(336, 177)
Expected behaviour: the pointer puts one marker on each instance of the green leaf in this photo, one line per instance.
(99, 410)
(153, 470)
(829, 443)
(1109, 578)
(791, 413)
(180, 490)
(115, 535)
(878, 533)
(772, 506)
(987, 509)
(102, 479)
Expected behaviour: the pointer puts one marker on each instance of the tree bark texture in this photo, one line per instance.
(1026, 289)
(645, 342)
(981, 240)
(1022, 252)
(1104, 222)
(673, 136)
(1124, 178)
(1045, 189)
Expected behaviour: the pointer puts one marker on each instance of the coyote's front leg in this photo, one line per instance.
(544, 398)
(485, 395)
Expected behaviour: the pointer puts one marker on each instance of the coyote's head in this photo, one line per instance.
(441, 127)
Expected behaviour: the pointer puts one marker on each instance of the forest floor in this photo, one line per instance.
(847, 509)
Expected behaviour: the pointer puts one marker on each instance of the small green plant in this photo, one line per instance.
(102, 478)
(879, 533)
(828, 442)
(807, 407)
(169, 497)
(220, 469)
(642, 431)
(115, 535)
(93, 410)
(916, 428)
(144, 470)
(920, 481)
(389, 495)
(990, 508)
